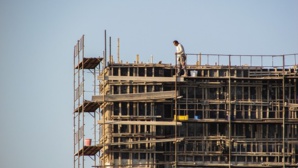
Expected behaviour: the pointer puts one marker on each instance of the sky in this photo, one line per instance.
(37, 38)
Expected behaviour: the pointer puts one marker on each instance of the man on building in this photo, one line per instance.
(181, 58)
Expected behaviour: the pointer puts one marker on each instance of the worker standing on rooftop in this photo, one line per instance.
(181, 58)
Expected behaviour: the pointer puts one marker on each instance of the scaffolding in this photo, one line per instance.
(230, 111)
(85, 71)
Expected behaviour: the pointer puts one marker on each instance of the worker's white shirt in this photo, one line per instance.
(179, 50)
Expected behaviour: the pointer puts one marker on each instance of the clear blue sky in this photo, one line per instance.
(36, 55)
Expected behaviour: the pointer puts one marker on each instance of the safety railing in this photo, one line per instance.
(264, 61)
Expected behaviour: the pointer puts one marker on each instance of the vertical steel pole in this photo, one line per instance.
(110, 49)
(230, 116)
(94, 120)
(79, 101)
(261, 60)
(283, 111)
(103, 117)
(74, 106)
(83, 97)
(103, 110)
(118, 50)
(176, 111)
(105, 52)
(99, 134)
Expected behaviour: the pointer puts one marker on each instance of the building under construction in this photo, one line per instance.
(230, 111)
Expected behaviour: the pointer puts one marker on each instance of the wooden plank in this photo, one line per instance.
(89, 63)
(138, 135)
(89, 106)
(142, 78)
(168, 123)
(293, 105)
(88, 150)
(126, 150)
(133, 117)
(146, 141)
(135, 96)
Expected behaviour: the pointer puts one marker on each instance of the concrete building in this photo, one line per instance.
(223, 114)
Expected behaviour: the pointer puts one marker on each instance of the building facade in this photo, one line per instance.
(217, 116)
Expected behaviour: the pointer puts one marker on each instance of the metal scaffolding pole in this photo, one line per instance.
(229, 115)
(283, 111)
(175, 165)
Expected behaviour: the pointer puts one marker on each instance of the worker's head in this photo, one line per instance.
(175, 42)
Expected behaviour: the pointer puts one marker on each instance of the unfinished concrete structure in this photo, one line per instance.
(224, 114)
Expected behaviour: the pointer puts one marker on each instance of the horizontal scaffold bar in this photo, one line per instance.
(145, 141)
(169, 123)
(142, 78)
(135, 96)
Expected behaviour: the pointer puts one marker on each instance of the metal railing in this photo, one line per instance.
(265, 61)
